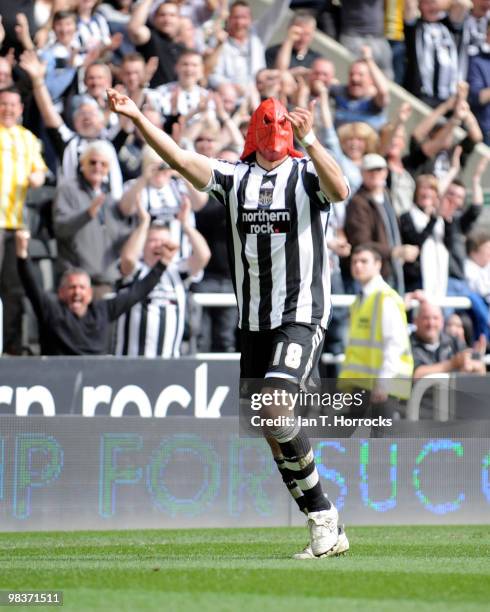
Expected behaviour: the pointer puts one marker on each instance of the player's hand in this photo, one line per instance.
(22, 237)
(169, 251)
(302, 120)
(119, 103)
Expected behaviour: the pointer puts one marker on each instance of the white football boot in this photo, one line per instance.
(340, 548)
(324, 532)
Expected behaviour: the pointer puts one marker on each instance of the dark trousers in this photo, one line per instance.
(399, 59)
(11, 294)
(218, 326)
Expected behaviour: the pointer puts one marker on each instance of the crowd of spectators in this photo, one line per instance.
(198, 69)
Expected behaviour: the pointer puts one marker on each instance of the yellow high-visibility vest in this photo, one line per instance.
(364, 353)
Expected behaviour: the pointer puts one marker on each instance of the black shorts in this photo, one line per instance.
(290, 351)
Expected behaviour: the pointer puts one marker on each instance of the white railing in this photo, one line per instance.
(326, 359)
(217, 356)
(217, 300)
(441, 383)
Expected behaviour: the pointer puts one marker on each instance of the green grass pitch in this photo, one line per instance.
(388, 569)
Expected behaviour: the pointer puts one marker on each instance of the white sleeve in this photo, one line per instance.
(115, 177)
(222, 177)
(477, 278)
(269, 21)
(220, 73)
(395, 338)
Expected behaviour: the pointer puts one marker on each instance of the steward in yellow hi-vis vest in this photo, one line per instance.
(378, 349)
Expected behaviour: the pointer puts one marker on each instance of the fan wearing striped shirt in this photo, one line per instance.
(92, 27)
(184, 96)
(161, 192)
(154, 327)
(433, 63)
(277, 203)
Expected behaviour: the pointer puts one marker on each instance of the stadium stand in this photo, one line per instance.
(126, 386)
(420, 140)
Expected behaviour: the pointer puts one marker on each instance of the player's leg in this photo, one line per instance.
(342, 545)
(287, 475)
(260, 354)
(298, 458)
(255, 359)
(296, 349)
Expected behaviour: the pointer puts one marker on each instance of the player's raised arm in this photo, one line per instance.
(332, 181)
(192, 166)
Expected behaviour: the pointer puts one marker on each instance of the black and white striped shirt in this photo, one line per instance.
(277, 222)
(187, 100)
(163, 204)
(154, 327)
(433, 64)
(93, 32)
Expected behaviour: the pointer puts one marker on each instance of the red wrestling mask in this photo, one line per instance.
(270, 133)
